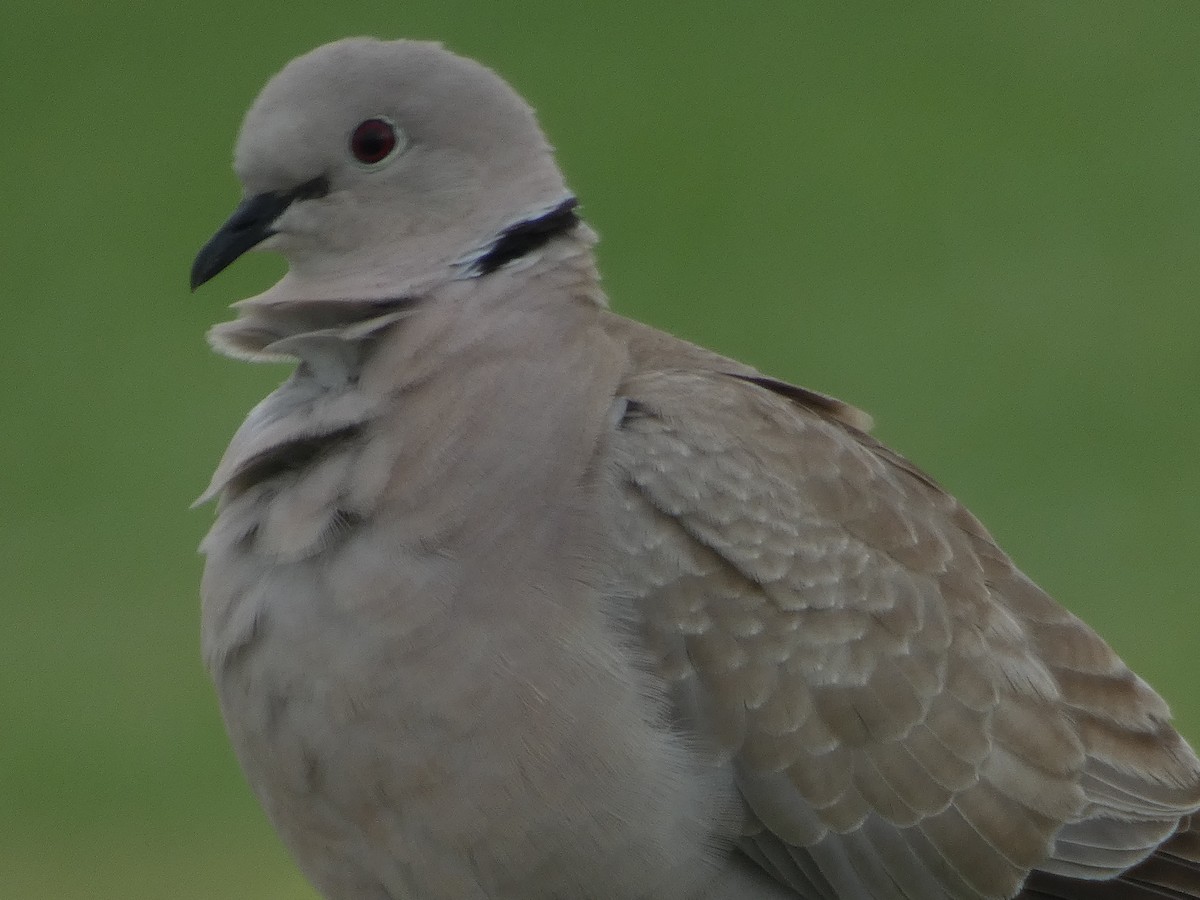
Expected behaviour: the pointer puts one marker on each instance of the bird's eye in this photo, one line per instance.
(374, 140)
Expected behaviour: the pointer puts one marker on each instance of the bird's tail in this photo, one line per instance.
(1172, 872)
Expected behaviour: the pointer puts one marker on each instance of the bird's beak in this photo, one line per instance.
(251, 223)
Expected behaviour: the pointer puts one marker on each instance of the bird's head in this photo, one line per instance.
(366, 163)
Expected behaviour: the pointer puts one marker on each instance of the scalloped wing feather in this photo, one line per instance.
(907, 714)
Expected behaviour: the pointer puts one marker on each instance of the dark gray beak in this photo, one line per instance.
(251, 223)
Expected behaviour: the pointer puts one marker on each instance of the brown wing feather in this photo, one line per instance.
(907, 714)
(1172, 872)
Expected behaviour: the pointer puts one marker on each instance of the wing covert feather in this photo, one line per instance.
(902, 707)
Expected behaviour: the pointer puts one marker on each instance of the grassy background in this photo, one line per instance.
(978, 221)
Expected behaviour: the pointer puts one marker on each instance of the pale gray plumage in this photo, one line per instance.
(510, 597)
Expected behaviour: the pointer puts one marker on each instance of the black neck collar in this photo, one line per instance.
(527, 236)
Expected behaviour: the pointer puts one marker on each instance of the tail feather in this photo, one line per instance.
(1172, 872)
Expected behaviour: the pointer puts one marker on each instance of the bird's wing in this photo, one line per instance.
(907, 715)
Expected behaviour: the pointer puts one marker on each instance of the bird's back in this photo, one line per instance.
(906, 714)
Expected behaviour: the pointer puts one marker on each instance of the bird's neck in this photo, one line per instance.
(354, 355)
(549, 249)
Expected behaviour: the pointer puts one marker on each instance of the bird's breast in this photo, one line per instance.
(406, 623)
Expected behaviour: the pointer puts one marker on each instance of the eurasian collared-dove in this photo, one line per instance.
(510, 597)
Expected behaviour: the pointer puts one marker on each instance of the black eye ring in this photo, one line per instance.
(374, 140)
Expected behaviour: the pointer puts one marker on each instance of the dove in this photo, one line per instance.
(507, 596)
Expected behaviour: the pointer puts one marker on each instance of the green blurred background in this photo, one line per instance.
(980, 222)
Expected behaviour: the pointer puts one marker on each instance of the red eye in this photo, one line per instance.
(373, 140)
